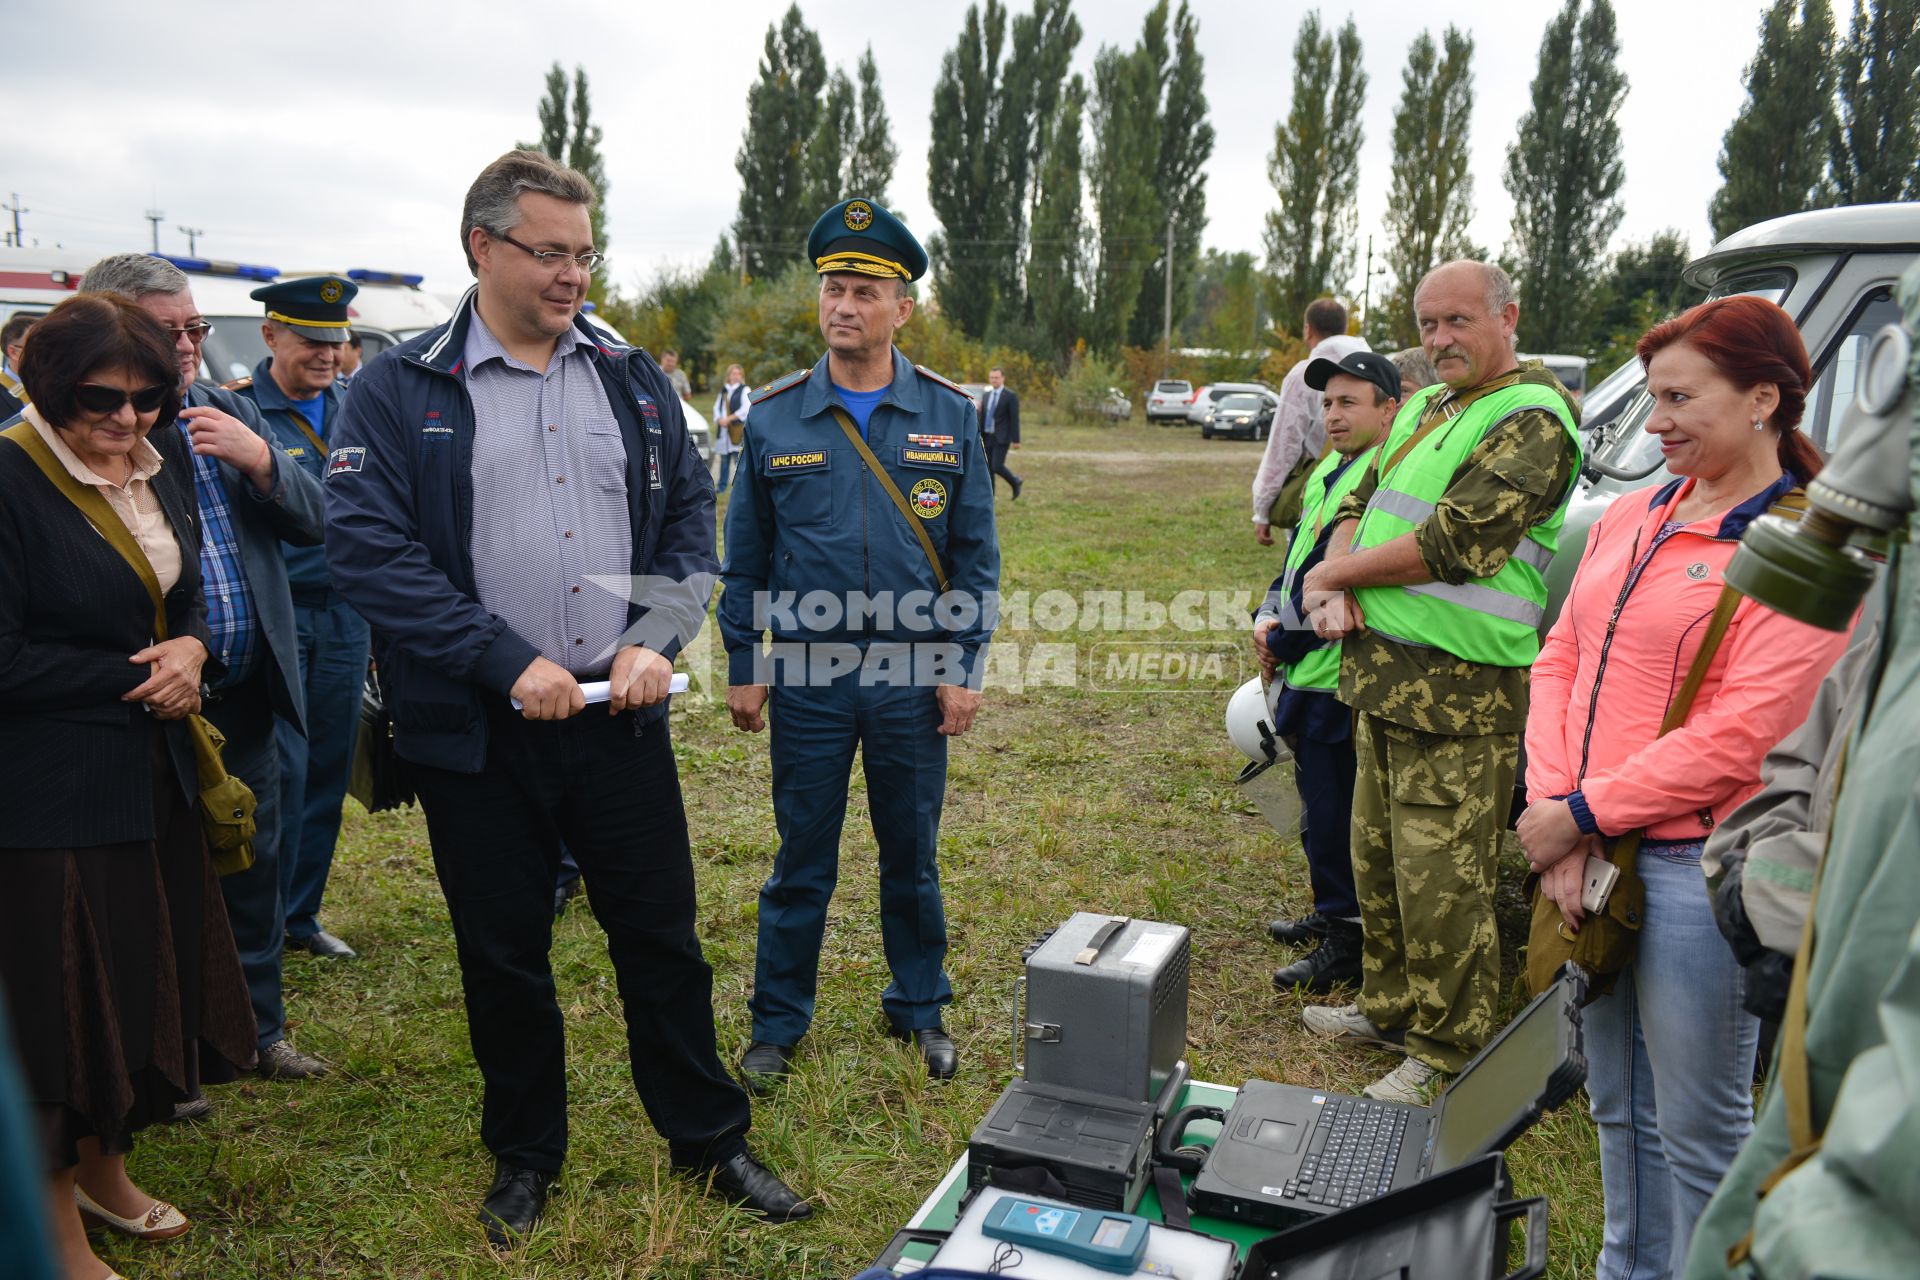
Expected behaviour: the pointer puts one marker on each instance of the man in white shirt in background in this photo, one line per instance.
(1298, 437)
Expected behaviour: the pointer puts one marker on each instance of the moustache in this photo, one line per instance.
(1456, 353)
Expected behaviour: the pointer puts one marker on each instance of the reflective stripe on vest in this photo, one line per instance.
(1318, 501)
(1493, 620)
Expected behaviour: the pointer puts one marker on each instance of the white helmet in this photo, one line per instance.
(1250, 723)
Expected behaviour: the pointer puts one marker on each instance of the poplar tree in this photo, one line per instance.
(870, 166)
(1056, 261)
(571, 138)
(1315, 171)
(1430, 201)
(994, 107)
(1874, 154)
(1774, 156)
(1186, 143)
(1564, 172)
(1128, 221)
(783, 111)
(835, 138)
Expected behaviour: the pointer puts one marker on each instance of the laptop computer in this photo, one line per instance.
(1287, 1154)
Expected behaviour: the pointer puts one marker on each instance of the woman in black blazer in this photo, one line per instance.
(115, 953)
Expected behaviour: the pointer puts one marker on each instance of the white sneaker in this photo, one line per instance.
(1412, 1082)
(1346, 1022)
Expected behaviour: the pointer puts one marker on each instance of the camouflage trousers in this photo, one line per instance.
(1428, 813)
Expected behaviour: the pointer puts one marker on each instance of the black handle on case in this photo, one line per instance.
(1173, 1129)
(1101, 936)
(897, 1246)
(1535, 1209)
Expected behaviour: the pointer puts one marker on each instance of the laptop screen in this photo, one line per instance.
(1483, 1100)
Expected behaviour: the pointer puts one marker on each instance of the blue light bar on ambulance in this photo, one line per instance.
(214, 267)
(361, 275)
(586, 306)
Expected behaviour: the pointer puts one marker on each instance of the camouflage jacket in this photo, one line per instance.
(1513, 479)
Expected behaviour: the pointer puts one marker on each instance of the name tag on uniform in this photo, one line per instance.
(296, 451)
(943, 459)
(814, 460)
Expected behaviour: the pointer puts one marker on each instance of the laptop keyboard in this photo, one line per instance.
(1351, 1155)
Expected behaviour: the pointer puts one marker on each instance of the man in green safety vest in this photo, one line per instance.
(1360, 393)
(1433, 584)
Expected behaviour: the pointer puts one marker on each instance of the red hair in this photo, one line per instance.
(1750, 341)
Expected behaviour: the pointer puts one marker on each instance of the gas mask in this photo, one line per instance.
(1812, 570)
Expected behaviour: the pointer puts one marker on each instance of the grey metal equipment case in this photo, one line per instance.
(1107, 1008)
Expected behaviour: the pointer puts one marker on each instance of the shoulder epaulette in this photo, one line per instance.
(238, 384)
(778, 385)
(955, 387)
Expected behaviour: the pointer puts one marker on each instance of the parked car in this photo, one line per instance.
(1168, 401)
(1115, 406)
(1206, 397)
(1833, 270)
(1243, 415)
(1571, 370)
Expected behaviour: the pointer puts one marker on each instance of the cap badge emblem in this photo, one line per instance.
(858, 215)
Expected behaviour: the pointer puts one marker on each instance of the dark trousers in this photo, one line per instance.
(614, 798)
(315, 769)
(244, 713)
(815, 731)
(1323, 772)
(997, 459)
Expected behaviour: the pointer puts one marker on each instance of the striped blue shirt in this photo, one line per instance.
(231, 615)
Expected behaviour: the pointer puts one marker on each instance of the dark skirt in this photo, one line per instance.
(119, 967)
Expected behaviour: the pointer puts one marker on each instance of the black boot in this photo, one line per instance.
(1335, 961)
(1298, 933)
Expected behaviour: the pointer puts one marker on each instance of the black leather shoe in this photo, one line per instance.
(324, 945)
(1017, 486)
(1335, 961)
(935, 1046)
(753, 1187)
(513, 1203)
(1294, 933)
(766, 1065)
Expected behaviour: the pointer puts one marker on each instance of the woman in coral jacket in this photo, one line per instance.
(1670, 1050)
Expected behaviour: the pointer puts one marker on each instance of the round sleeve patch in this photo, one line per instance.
(928, 497)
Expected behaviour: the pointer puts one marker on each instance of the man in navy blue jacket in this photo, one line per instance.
(516, 507)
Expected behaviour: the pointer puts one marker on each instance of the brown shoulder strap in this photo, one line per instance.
(98, 514)
(1626, 849)
(300, 421)
(914, 522)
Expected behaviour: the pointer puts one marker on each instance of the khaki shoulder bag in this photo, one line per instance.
(226, 803)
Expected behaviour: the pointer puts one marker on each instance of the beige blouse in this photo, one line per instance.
(135, 502)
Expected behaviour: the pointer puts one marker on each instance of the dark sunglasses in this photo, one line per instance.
(95, 398)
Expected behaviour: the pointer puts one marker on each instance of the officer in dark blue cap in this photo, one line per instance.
(863, 489)
(297, 388)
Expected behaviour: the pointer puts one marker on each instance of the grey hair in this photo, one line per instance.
(493, 201)
(135, 276)
(1415, 367)
(1499, 284)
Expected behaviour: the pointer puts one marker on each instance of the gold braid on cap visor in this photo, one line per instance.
(310, 324)
(864, 263)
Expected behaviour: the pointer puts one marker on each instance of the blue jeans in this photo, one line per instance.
(316, 767)
(1672, 1030)
(726, 465)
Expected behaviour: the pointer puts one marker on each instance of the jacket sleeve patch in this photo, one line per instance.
(351, 457)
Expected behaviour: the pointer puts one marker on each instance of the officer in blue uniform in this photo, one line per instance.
(880, 592)
(298, 391)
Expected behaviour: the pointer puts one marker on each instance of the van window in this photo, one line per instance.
(1834, 390)
(1771, 284)
(1172, 387)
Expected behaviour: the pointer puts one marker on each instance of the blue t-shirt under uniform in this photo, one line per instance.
(859, 404)
(315, 412)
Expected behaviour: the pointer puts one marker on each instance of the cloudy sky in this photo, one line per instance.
(345, 134)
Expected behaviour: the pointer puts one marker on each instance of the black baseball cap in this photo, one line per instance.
(1369, 365)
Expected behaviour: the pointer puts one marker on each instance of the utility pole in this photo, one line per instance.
(1366, 294)
(16, 211)
(193, 235)
(154, 216)
(1166, 331)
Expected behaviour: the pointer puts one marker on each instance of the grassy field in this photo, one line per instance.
(1062, 799)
